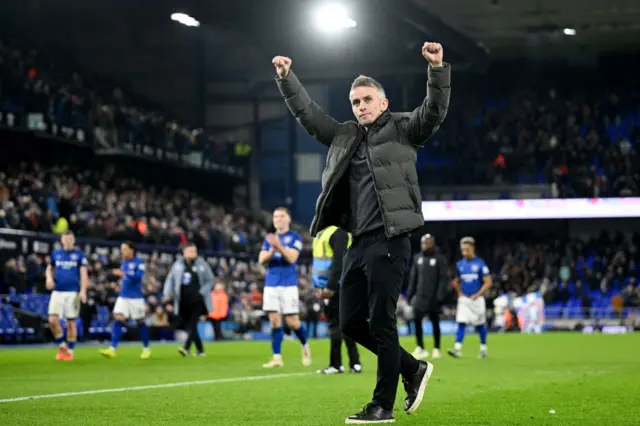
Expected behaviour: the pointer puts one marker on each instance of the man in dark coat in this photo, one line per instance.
(427, 290)
(370, 189)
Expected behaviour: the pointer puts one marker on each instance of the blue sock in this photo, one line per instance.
(116, 332)
(59, 339)
(277, 334)
(71, 345)
(302, 334)
(482, 331)
(460, 332)
(144, 333)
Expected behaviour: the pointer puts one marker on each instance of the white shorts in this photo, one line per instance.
(472, 312)
(134, 309)
(283, 300)
(64, 304)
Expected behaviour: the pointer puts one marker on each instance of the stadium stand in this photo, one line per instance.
(41, 94)
(581, 142)
(99, 204)
(580, 145)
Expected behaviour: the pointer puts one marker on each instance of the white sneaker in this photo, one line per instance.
(306, 355)
(419, 353)
(357, 368)
(435, 354)
(276, 362)
(331, 370)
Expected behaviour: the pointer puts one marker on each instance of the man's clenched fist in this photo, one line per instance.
(432, 52)
(282, 64)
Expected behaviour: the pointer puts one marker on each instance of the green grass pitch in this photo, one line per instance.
(587, 380)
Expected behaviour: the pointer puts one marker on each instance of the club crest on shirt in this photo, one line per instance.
(287, 239)
(420, 260)
(74, 256)
(432, 262)
(474, 268)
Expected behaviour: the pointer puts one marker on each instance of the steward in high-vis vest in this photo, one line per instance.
(329, 248)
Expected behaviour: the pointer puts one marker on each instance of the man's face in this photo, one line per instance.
(468, 251)
(427, 244)
(281, 219)
(367, 104)
(190, 253)
(68, 241)
(127, 252)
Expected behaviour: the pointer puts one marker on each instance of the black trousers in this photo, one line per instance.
(190, 312)
(336, 337)
(372, 277)
(217, 329)
(434, 317)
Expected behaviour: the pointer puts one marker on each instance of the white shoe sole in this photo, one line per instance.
(423, 387)
(421, 356)
(369, 422)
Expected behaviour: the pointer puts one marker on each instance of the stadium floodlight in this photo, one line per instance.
(185, 19)
(332, 18)
(569, 31)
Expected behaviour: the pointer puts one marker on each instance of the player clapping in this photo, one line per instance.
(280, 253)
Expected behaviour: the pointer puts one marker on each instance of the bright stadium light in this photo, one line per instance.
(332, 18)
(569, 31)
(185, 19)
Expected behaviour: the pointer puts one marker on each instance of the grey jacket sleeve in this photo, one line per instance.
(308, 113)
(209, 280)
(168, 282)
(427, 118)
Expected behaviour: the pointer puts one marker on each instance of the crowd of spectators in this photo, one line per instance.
(99, 204)
(580, 139)
(599, 272)
(112, 117)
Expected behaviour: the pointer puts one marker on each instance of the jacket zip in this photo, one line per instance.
(375, 186)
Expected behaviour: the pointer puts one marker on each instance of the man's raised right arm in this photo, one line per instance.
(308, 113)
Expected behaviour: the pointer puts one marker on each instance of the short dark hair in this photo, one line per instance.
(189, 244)
(130, 244)
(365, 81)
(67, 232)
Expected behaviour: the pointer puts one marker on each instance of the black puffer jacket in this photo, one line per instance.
(392, 142)
(428, 282)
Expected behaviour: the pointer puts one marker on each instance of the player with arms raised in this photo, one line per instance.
(130, 302)
(472, 283)
(280, 253)
(68, 277)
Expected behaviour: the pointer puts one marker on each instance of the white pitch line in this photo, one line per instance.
(161, 386)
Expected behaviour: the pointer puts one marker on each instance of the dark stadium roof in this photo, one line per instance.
(136, 42)
(535, 27)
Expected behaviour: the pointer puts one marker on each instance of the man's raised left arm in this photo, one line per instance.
(427, 118)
